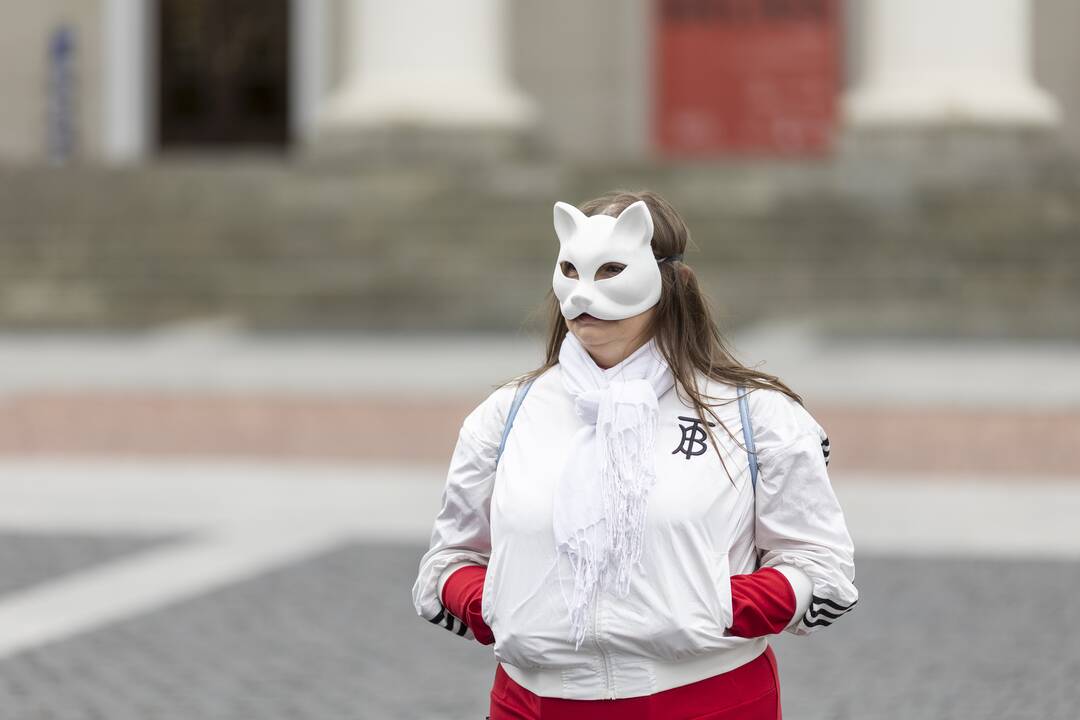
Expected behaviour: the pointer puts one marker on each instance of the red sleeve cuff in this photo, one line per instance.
(763, 603)
(462, 593)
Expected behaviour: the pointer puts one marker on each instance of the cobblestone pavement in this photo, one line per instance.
(335, 637)
(144, 575)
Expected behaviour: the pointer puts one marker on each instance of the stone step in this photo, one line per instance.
(424, 247)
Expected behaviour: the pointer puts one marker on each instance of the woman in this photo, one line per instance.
(626, 559)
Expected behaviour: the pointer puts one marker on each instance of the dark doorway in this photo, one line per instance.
(223, 72)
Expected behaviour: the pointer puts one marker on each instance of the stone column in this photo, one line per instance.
(957, 62)
(427, 66)
(126, 50)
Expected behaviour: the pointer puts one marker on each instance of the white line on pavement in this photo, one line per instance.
(1008, 517)
(222, 358)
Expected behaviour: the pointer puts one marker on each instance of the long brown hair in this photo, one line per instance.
(686, 334)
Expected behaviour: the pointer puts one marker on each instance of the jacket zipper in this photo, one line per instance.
(603, 653)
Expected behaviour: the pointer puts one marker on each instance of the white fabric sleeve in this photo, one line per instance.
(448, 571)
(802, 586)
(461, 532)
(799, 521)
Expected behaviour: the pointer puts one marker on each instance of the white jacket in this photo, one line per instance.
(700, 529)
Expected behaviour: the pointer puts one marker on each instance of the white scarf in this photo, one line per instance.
(601, 497)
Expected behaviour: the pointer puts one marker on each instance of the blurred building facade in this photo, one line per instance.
(116, 81)
(878, 166)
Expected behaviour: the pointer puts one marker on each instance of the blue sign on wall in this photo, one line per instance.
(61, 106)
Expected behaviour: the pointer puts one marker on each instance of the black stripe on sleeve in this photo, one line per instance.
(819, 616)
(814, 599)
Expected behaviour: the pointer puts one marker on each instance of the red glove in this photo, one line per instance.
(763, 603)
(461, 595)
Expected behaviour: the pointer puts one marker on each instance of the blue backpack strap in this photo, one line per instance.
(748, 435)
(518, 397)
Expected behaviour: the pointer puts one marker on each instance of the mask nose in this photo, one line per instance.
(580, 301)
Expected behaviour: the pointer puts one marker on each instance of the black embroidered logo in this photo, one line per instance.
(693, 437)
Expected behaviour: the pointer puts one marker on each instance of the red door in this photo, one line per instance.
(755, 77)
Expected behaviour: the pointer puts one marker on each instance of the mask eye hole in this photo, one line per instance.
(568, 269)
(609, 270)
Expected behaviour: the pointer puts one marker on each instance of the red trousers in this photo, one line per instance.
(748, 692)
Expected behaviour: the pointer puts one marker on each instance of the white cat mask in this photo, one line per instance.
(590, 242)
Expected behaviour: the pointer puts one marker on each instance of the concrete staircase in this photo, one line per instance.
(279, 244)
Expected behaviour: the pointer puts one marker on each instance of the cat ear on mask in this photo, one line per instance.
(568, 220)
(634, 226)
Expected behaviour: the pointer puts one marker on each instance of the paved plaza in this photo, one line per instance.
(146, 576)
(333, 636)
